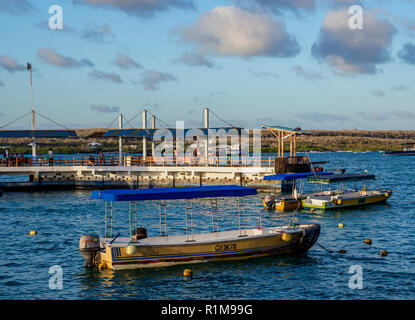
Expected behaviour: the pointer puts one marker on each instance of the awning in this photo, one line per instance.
(38, 134)
(295, 176)
(281, 128)
(173, 193)
(148, 133)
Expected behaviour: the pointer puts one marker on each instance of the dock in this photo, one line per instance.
(168, 165)
(103, 172)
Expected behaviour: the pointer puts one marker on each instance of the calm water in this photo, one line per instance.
(62, 217)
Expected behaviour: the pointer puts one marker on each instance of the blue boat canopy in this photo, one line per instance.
(173, 193)
(341, 178)
(295, 176)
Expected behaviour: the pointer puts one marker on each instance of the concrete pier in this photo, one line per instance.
(67, 172)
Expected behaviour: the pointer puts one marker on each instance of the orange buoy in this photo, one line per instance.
(367, 241)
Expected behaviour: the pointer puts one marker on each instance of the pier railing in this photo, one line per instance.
(140, 161)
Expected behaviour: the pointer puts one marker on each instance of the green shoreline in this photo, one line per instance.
(319, 140)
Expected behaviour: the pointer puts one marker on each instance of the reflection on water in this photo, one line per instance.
(61, 217)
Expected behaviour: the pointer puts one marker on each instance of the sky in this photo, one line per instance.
(296, 63)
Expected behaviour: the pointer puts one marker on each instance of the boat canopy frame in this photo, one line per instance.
(189, 194)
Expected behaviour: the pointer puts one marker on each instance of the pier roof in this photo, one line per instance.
(173, 193)
(286, 129)
(37, 134)
(148, 133)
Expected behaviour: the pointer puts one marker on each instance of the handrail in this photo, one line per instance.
(140, 161)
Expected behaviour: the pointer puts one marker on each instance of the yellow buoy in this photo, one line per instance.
(383, 253)
(312, 210)
(341, 225)
(33, 232)
(287, 236)
(187, 272)
(131, 249)
(367, 241)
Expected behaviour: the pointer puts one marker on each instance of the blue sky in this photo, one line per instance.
(253, 62)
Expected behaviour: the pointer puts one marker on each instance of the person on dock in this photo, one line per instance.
(50, 153)
(6, 156)
(91, 160)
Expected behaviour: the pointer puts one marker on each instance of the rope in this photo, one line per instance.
(15, 120)
(329, 251)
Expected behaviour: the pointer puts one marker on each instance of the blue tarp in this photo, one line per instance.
(295, 176)
(173, 193)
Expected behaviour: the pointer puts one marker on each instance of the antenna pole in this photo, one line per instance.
(29, 67)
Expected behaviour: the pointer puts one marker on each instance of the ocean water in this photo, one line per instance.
(61, 217)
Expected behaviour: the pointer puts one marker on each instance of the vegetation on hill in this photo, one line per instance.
(319, 140)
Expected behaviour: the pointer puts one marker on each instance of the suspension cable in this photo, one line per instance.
(222, 119)
(11, 122)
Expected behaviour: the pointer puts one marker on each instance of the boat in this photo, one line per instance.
(408, 149)
(342, 197)
(142, 251)
(291, 202)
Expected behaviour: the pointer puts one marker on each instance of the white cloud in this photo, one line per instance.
(232, 31)
(350, 51)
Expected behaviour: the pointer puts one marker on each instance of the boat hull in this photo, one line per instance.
(284, 205)
(256, 243)
(399, 153)
(345, 202)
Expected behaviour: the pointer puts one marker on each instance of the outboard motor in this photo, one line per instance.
(139, 233)
(269, 201)
(89, 248)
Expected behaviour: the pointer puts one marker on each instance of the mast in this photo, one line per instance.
(120, 126)
(144, 115)
(29, 67)
(206, 126)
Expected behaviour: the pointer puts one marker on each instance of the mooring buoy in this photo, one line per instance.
(187, 272)
(367, 241)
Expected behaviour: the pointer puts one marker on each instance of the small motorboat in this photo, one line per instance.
(408, 149)
(341, 197)
(289, 202)
(140, 251)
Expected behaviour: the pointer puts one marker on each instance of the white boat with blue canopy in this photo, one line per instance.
(140, 250)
